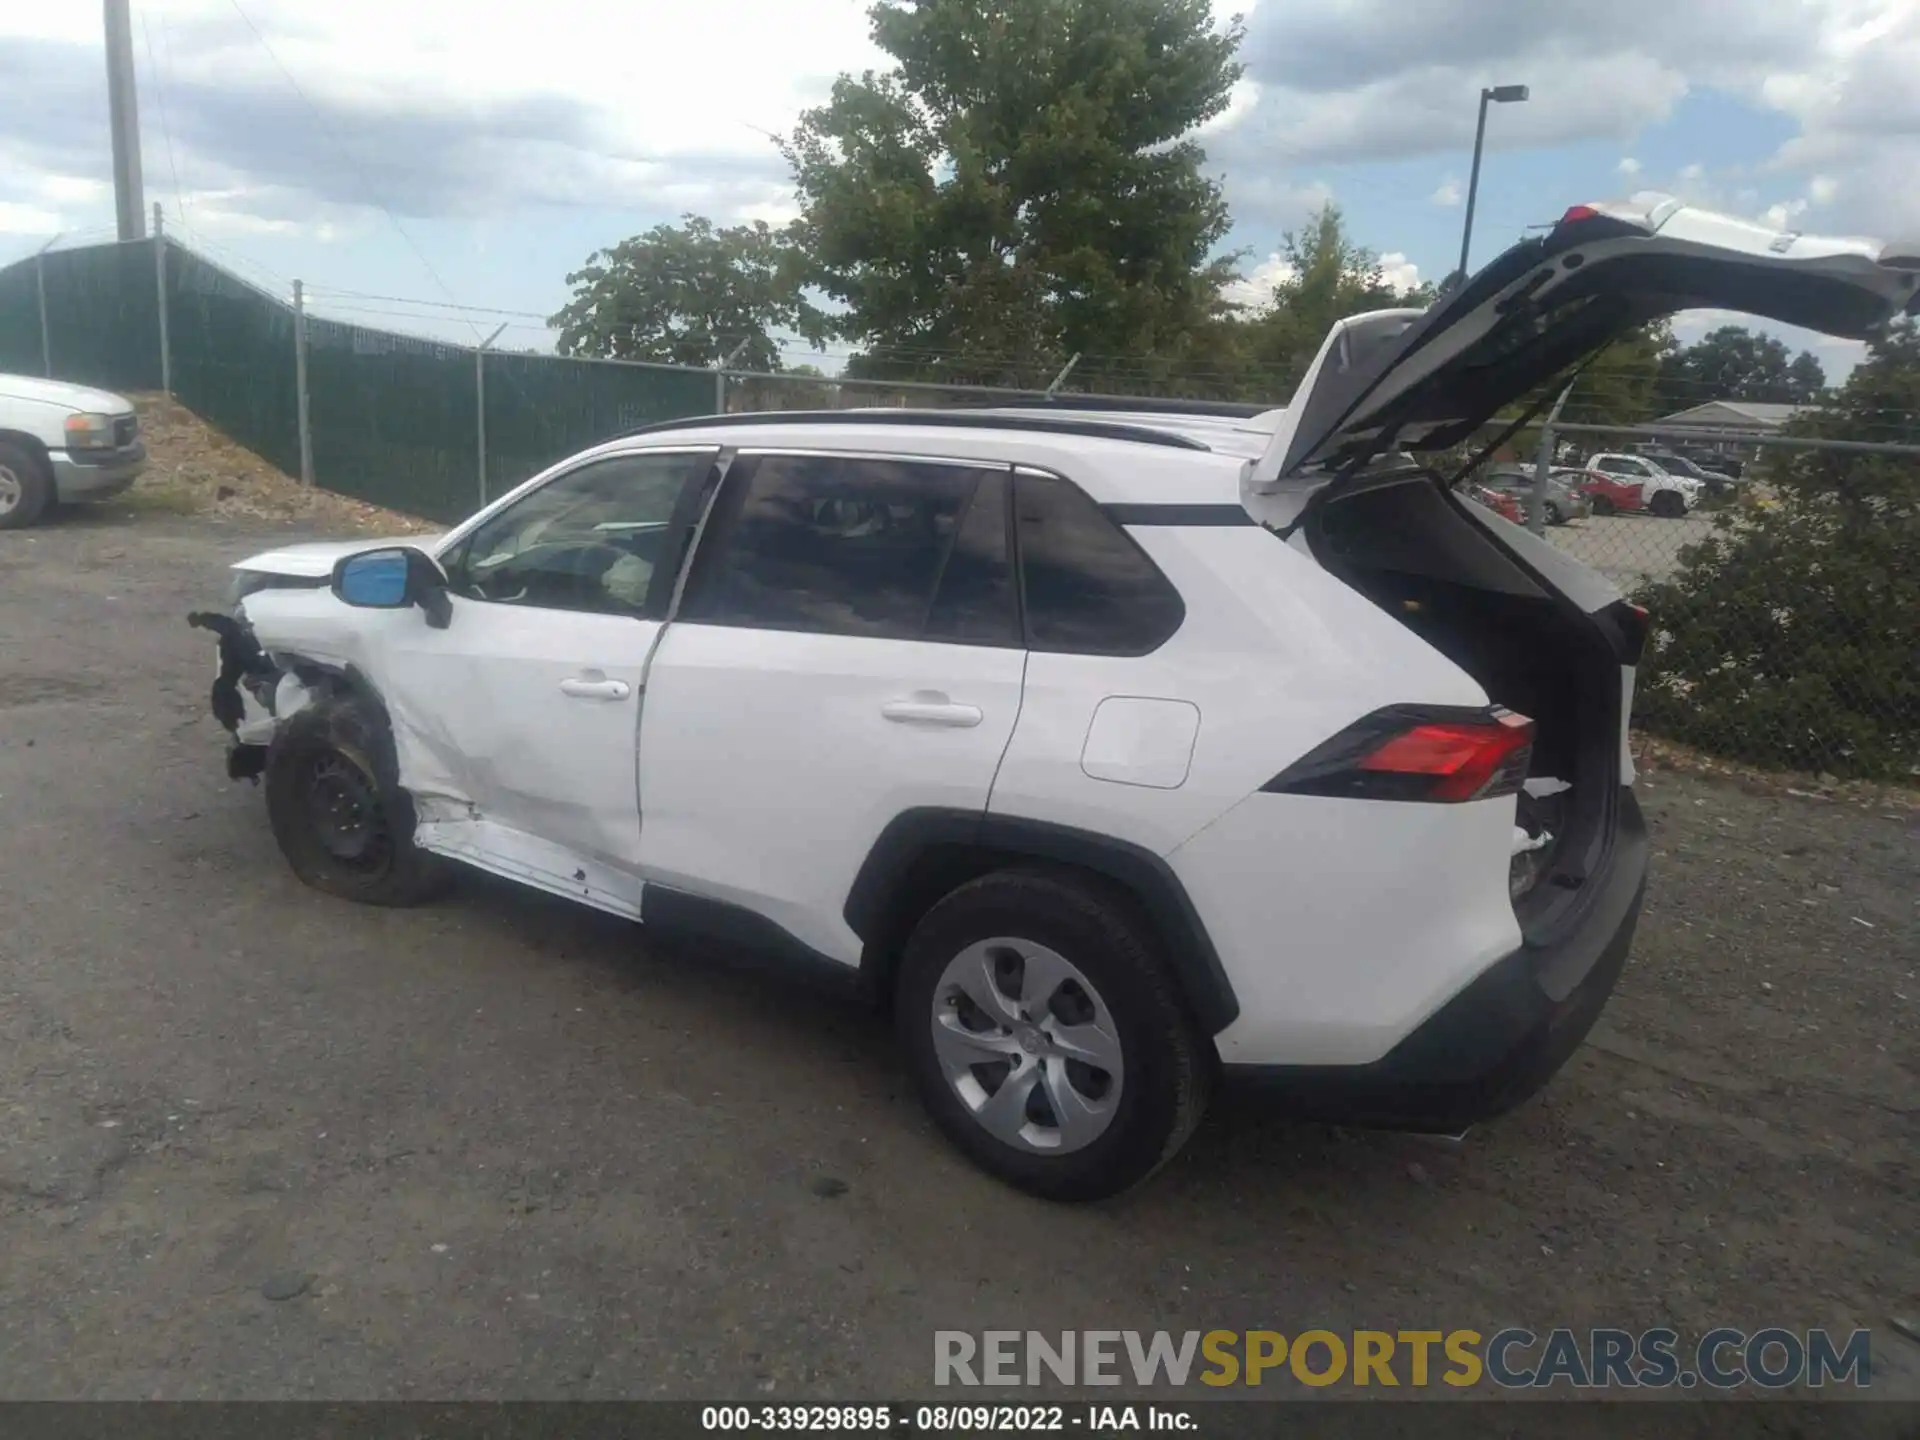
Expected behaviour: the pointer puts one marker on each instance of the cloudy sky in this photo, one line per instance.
(401, 148)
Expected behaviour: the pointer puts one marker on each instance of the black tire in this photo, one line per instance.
(25, 482)
(337, 809)
(1554, 514)
(1168, 1069)
(1602, 506)
(1667, 505)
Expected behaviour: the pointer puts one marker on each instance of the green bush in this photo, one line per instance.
(1791, 636)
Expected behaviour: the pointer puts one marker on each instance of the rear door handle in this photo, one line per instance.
(930, 707)
(596, 689)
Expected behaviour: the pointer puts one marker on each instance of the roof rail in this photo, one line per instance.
(958, 419)
(1130, 404)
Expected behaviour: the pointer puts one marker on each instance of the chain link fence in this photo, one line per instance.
(1782, 587)
(425, 427)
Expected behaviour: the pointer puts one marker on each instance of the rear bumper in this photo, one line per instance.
(1500, 1038)
(98, 477)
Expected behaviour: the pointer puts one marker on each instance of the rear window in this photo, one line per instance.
(1090, 590)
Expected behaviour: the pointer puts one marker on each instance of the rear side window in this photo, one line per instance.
(1089, 589)
(839, 546)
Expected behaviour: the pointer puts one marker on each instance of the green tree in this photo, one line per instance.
(1021, 187)
(687, 295)
(1734, 363)
(1789, 637)
(1328, 277)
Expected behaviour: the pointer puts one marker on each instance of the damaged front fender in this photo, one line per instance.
(251, 695)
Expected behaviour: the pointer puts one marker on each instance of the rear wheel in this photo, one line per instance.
(337, 809)
(1045, 1035)
(1668, 505)
(1555, 516)
(26, 487)
(1602, 505)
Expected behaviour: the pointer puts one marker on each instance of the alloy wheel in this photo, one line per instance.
(12, 492)
(1028, 1045)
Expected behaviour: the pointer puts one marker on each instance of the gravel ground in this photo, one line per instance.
(500, 1147)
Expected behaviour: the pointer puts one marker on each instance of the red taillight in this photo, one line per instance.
(1414, 753)
(1639, 610)
(1464, 762)
(1579, 212)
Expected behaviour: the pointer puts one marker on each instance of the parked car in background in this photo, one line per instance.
(1626, 483)
(1563, 500)
(1503, 504)
(62, 443)
(1718, 482)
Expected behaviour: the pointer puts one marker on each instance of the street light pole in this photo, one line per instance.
(1497, 95)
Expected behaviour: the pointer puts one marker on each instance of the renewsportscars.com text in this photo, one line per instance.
(1724, 1359)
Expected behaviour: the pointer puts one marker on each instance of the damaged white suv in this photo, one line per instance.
(1121, 753)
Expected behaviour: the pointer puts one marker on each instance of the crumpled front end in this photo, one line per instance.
(251, 695)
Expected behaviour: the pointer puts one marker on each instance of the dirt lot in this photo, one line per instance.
(500, 1147)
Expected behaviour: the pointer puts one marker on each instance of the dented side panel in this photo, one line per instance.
(515, 729)
(531, 715)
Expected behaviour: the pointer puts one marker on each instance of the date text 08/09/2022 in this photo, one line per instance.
(949, 1419)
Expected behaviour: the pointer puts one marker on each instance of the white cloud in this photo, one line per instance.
(1628, 166)
(1690, 173)
(18, 219)
(1255, 289)
(417, 109)
(1449, 192)
(1399, 272)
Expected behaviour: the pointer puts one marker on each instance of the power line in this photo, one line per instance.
(340, 150)
(166, 129)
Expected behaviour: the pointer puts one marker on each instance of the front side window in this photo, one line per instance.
(1628, 467)
(588, 540)
(837, 545)
(1090, 589)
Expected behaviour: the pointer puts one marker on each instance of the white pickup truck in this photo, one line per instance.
(61, 443)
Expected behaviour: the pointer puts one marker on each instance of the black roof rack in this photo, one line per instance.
(1134, 404)
(959, 419)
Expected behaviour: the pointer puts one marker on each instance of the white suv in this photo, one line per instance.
(1119, 753)
(1638, 482)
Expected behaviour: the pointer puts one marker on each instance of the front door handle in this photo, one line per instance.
(930, 707)
(596, 689)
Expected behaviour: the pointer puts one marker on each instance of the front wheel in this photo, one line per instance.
(337, 809)
(1045, 1035)
(1554, 514)
(1668, 505)
(26, 487)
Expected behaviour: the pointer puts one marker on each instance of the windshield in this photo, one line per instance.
(1675, 465)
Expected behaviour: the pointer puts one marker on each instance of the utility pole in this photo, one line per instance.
(123, 110)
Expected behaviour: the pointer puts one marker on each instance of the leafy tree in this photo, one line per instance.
(1329, 276)
(1734, 363)
(1023, 186)
(687, 295)
(1789, 636)
(1806, 378)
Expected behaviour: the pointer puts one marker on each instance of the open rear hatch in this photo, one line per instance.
(1426, 380)
(1544, 635)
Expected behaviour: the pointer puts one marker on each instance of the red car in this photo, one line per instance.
(1498, 501)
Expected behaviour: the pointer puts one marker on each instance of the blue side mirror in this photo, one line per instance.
(376, 580)
(393, 579)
